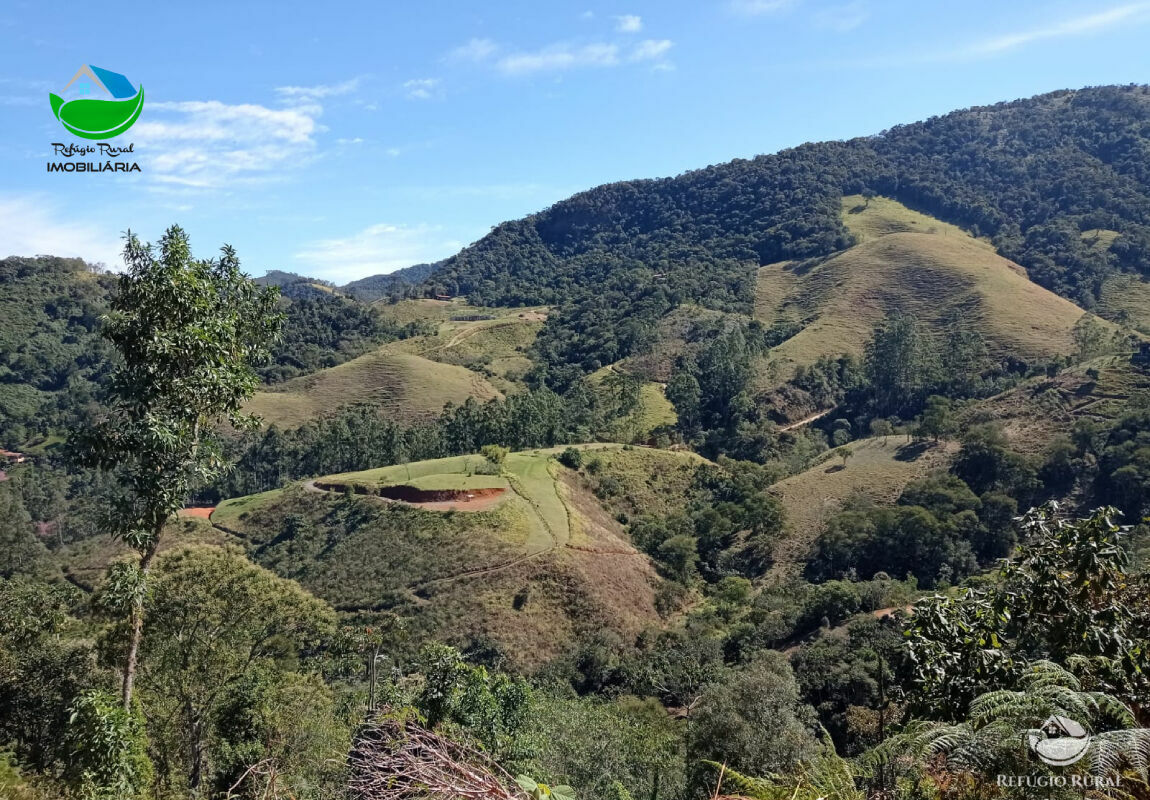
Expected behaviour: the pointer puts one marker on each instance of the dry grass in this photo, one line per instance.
(773, 284)
(879, 469)
(1125, 299)
(883, 216)
(406, 387)
(1040, 409)
(939, 279)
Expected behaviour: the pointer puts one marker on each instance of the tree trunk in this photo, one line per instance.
(196, 774)
(137, 625)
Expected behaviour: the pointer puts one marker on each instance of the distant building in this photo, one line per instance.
(9, 457)
(1141, 356)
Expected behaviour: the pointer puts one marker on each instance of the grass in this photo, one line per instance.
(773, 284)
(230, 513)
(884, 216)
(642, 480)
(86, 562)
(530, 476)
(653, 411)
(1041, 409)
(405, 387)
(879, 468)
(1125, 299)
(503, 574)
(940, 275)
(461, 482)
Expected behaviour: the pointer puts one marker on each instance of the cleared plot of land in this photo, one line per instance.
(1037, 410)
(544, 567)
(945, 277)
(879, 469)
(406, 387)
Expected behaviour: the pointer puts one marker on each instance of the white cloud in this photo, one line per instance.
(209, 144)
(756, 8)
(475, 50)
(560, 57)
(1078, 26)
(422, 88)
(628, 23)
(376, 249)
(317, 92)
(842, 18)
(31, 224)
(651, 49)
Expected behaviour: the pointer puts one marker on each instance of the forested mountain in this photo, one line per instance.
(374, 287)
(1040, 177)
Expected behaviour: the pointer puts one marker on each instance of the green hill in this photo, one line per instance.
(913, 264)
(532, 573)
(406, 386)
(879, 468)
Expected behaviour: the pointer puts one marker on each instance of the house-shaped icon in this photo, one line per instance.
(89, 77)
(1057, 726)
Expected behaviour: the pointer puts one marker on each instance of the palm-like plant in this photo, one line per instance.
(993, 740)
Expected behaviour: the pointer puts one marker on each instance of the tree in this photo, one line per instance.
(189, 334)
(1066, 597)
(901, 364)
(753, 720)
(937, 419)
(216, 621)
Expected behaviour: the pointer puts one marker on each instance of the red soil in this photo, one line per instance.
(203, 512)
(429, 499)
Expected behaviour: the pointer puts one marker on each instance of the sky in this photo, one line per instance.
(346, 139)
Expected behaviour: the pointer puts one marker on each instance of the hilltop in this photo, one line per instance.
(543, 565)
(910, 263)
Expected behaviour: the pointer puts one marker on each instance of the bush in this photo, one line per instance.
(494, 453)
(571, 458)
(110, 760)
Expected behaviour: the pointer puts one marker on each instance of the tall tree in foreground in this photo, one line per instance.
(189, 333)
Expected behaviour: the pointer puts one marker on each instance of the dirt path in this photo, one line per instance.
(790, 426)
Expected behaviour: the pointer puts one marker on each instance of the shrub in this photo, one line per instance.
(571, 458)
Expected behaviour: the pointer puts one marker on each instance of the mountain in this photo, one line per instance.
(376, 286)
(1058, 184)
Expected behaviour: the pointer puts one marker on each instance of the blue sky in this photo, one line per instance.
(346, 139)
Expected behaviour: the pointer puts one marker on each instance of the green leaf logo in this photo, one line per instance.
(100, 117)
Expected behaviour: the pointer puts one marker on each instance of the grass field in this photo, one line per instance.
(883, 216)
(941, 275)
(879, 469)
(1125, 299)
(406, 387)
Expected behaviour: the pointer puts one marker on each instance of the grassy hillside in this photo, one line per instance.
(879, 468)
(531, 574)
(405, 386)
(1040, 409)
(908, 262)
